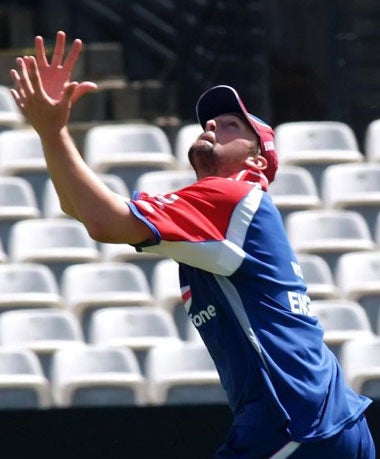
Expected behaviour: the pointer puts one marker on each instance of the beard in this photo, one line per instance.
(203, 158)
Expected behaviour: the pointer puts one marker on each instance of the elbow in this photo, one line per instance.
(98, 232)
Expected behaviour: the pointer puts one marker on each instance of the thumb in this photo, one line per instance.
(68, 92)
(82, 89)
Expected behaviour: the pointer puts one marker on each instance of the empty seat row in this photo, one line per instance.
(176, 372)
(88, 375)
(56, 276)
(129, 149)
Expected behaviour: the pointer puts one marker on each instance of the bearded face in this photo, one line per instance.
(224, 146)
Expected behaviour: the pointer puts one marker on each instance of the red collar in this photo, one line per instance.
(252, 175)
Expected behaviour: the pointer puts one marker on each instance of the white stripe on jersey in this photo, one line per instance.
(242, 216)
(237, 306)
(218, 257)
(286, 451)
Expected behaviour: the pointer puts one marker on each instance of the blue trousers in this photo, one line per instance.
(353, 442)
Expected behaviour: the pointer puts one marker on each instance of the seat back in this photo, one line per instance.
(314, 135)
(55, 242)
(163, 182)
(318, 277)
(186, 136)
(97, 376)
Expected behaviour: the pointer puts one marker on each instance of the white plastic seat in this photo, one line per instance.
(328, 233)
(55, 242)
(318, 277)
(17, 202)
(139, 327)
(10, 114)
(186, 136)
(97, 376)
(294, 189)
(21, 154)
(3, 254)
(360, 359)
(22, 382)
(51, 207)
(358, 278)
(377, 230)
(316, 144)
(167, 292)
(128, 254)
(91, 286)
(128, 150)
(372, 141)
(162, 182)
(354, 187)
(183, 374)
(40, 330)
(28, 285)
(342, 320)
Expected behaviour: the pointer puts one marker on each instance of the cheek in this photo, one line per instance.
(225, 137)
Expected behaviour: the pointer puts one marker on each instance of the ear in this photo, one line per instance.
(259, 162)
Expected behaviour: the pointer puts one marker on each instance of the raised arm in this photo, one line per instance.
(83, 195)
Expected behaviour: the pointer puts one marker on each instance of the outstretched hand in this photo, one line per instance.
(45, 113)
(44, 91)
(57, 75)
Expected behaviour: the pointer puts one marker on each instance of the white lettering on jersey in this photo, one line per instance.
(299, 303)
(161, 200)
(147, 206)
(297, 269)
(203, 316)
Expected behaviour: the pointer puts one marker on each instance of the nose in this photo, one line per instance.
(210, 125)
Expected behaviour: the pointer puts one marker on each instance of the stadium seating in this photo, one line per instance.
(10, 115)
(183, 373)
(360, 360)
(328, 233)
(316, 145)
(186, 136)
(96, 376)
(318, 277)
(342, 320)
(17, 202)
(40, 330)
(22, 382)
(128, 150)
(21, 155)
(372, 141)
(167, 292)
(358, 278)
(28, 285)
(91, 286)
(294, 189)
(140, 328)
(162, 182)
(353, 187)
(128, 254)
(55, 242)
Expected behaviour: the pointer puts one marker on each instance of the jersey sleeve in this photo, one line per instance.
(192, 225)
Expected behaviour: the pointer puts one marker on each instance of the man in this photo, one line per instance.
(241, 282)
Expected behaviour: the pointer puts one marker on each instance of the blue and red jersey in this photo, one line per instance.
(243, 290)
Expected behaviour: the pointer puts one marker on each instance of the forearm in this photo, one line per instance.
(81, 193)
